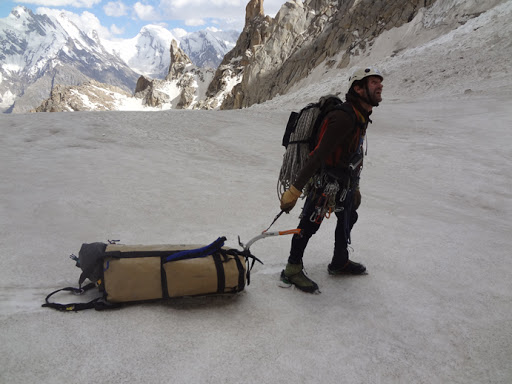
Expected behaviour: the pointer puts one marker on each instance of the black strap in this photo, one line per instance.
(221, 276)
(163, 278)
(241, 273)
(299, 142)
(247, 255)
(97, 303)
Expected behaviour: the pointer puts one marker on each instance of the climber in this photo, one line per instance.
(331, 176)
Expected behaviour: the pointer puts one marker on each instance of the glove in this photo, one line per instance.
(357, 198)
(289, 199)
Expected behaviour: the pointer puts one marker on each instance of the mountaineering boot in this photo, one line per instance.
(294, 274)
(350, 268)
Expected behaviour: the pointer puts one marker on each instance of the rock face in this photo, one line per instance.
(302, 36)
(224, 91)
(148, 91)
(179, 62)
(90, 96)
(272, 55)
(253, 9)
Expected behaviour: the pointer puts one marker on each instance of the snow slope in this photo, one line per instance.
(434, 233)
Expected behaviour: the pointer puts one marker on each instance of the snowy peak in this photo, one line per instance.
(207, 48)
(183, 88)
(147, 53)
(40, 51)
(21, 14)
(31, 22)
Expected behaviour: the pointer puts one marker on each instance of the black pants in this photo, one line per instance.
(346, 219)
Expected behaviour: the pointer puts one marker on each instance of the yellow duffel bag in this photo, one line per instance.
(134, 273)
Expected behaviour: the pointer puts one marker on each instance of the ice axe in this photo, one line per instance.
(245, 247)
(266, 233)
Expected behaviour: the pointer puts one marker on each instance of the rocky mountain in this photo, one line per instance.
(40, 51)
(305, 40)
(224, 90)
(148, 52)
(206, 49)
(274, 55)
(89, 96)
(184, 86)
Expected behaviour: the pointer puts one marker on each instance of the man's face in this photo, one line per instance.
(375, 88)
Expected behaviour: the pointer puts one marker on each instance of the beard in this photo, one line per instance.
(374, 97)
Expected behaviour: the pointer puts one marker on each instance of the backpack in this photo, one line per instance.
(137, 273)
(301, 135)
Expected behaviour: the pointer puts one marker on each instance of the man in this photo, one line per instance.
(331, 177)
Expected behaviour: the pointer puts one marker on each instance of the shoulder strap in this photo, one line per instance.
(97, 303)
(347, 108)
(353, 111)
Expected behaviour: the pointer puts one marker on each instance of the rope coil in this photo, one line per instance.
(298, 149)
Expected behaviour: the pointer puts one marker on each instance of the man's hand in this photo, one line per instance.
(357, 198)
(289, 199)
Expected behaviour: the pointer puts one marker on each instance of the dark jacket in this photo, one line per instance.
(338, 139)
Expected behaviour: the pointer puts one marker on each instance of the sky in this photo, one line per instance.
(124, 18)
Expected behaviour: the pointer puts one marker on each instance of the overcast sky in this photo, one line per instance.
(124, 18)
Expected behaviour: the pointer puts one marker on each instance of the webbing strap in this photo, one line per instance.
(299, 141)
(163, 279)
(96, 303)
(247, 255)
(221, 276)
(241, 270)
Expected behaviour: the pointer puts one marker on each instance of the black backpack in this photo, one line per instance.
(301, 134)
